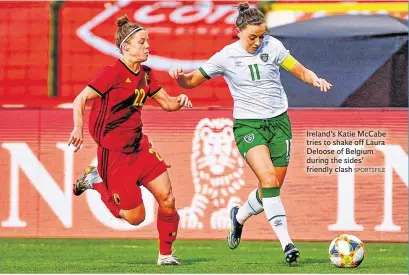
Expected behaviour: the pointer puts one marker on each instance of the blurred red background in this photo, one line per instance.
(180, 34)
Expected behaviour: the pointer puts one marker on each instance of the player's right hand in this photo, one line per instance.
(76, 139)
(184, 101)
(176, 72)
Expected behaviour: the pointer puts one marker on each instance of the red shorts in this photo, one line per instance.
(124, 173)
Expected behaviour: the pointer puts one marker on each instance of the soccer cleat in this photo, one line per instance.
(291, 253)
(90, 176)
(234, 236)
(168, 259)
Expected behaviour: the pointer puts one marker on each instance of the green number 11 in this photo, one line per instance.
(252, 72)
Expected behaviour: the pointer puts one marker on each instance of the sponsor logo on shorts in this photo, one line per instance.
(117, 199)
(249, 138)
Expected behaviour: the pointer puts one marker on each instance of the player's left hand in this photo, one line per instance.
(321, 83)
(184, 101)
(76, 139)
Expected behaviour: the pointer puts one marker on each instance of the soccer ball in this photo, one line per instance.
(346, 251)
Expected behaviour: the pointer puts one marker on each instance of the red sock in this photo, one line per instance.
(167, 227)
(108, 201)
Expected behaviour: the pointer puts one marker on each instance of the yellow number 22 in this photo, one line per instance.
(140, 96)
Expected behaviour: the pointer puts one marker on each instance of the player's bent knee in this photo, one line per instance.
(169, 202)
(269, 179)
(135, 216)
(136, 219)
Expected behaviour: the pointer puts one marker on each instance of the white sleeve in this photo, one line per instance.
(280, 52)
(214, 66)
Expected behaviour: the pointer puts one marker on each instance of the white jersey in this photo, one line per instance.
(253, 79)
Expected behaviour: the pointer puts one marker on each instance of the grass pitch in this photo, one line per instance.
(139, 256)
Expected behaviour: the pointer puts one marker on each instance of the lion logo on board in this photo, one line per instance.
(217, 171)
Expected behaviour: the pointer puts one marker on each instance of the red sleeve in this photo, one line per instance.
(103, 81)
(154, 85)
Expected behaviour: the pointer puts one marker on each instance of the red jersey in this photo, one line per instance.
(115, 119)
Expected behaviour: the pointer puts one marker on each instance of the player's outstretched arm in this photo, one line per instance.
(189, 80)
(171, 103)
(308, 76)
(76, 137)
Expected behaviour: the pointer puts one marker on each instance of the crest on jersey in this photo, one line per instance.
(264, 57)
(147, 79)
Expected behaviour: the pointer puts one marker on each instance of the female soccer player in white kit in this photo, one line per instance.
(262, 128)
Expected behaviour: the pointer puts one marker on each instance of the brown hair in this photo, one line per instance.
(248, 16)
(124, 29)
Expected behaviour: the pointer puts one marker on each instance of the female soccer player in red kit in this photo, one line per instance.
(126, 159)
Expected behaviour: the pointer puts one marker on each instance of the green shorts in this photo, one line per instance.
(275, 133)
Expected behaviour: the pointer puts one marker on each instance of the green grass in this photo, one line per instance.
(139, 256)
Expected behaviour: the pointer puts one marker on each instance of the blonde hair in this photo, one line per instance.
(125, 30)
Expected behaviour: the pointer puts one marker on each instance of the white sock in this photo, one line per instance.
(251, 207)
(94, 177)
(275, 214)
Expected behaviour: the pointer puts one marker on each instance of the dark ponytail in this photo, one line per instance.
(248, 16)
